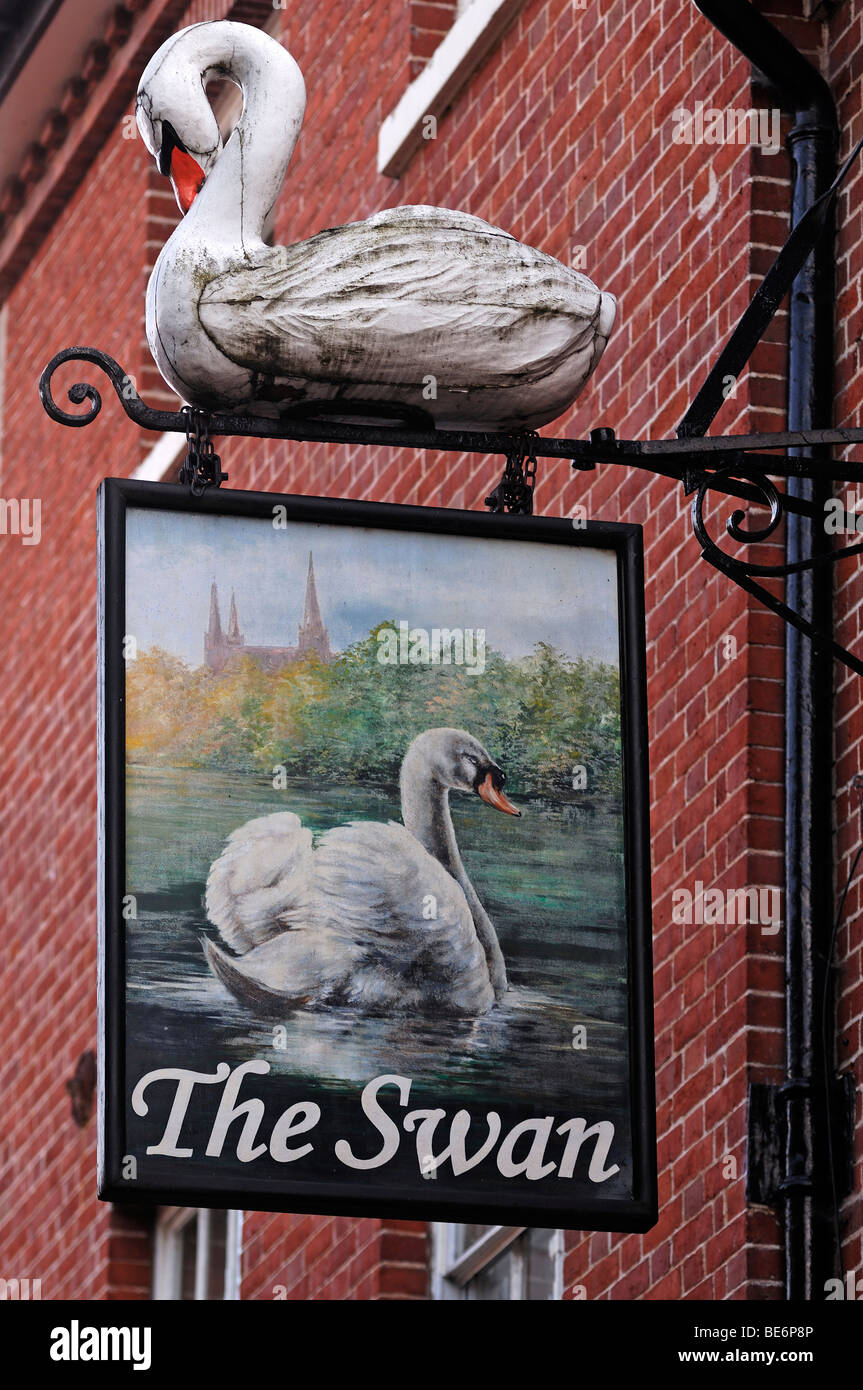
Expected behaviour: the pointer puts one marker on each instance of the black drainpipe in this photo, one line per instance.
(805, 1186)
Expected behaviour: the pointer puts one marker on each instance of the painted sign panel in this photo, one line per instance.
(375, 913)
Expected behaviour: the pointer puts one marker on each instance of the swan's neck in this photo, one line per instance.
(426, 814)
(235, 205)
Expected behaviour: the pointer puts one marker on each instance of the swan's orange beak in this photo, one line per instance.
(187, 177)
(493, 797)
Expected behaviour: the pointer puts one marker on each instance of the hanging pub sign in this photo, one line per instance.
(375, 927)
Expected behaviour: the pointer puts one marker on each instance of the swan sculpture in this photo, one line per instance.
(416, 309)
(383, 917)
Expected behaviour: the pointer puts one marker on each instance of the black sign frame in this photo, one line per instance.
(637, 1211)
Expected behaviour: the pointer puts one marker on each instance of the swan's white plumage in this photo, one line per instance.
(333, 308)
(346, 922)
(380, 916)
(378, 888)
(260, 880)
(363, 312)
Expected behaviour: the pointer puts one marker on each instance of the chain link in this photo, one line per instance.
(202, 467)
(514, 492)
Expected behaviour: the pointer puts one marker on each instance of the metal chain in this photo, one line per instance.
(202, 467)
(514, 492)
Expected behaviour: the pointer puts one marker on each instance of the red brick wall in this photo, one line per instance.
(78, 289)
(564, 138)
(845, 74)
(301, 1257)
(430, 21)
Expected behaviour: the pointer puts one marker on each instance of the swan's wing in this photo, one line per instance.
(259, 885)
(380, 301)
(406, 920)
(286, 972)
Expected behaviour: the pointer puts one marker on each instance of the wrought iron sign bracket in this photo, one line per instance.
(720, 463)
(736, 475)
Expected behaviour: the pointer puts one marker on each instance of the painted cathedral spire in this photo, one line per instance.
(235, 637)
(214, 631)
(224, 648)
(313, 635)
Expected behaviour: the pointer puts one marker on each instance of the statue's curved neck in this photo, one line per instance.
(235, 205)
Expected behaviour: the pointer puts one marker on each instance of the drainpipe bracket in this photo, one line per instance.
(768, 1182)
(811, 129)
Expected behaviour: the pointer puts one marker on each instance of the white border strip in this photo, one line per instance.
(161, 458)
(457, 56)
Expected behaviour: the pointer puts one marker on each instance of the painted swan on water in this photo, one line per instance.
(374, 311)
(383, 917)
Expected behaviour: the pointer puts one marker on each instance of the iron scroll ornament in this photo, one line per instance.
(668, 458)
(409, 428)
(741, 572)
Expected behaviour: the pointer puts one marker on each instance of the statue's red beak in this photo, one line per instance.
(493, 797)
(187, 176)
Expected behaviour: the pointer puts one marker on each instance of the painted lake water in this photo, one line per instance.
(551, 881)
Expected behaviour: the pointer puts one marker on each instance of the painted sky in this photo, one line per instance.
(518, 591)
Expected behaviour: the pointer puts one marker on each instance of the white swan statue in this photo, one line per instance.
(417, 309)
(381, 917)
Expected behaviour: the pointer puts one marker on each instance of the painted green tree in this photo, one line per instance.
(352, 718)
